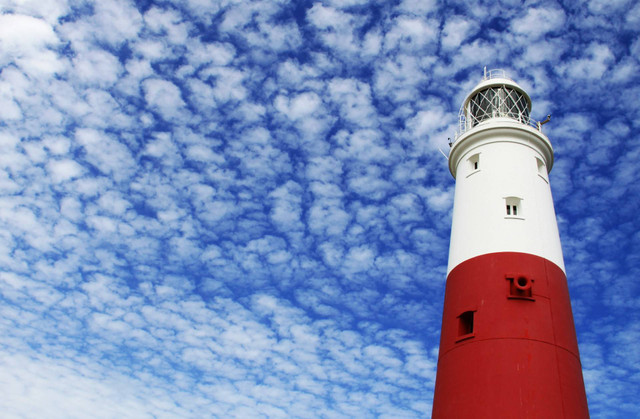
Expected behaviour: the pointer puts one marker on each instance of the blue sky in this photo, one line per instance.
(238, 208)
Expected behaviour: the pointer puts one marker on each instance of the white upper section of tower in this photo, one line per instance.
(501, 162)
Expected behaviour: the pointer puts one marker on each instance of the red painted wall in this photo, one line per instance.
(521, 360)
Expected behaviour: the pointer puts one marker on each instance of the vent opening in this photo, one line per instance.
(520, 286)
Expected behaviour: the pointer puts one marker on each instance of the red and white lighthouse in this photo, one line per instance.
(508, 345)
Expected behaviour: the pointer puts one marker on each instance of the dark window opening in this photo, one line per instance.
(465, 323)
(474, 162)
(514, 206)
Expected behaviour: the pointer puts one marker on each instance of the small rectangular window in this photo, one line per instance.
(465, 324)
(513, 205)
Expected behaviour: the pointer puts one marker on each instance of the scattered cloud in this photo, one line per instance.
(239, 209)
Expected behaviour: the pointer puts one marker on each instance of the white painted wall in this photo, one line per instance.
(507, 168)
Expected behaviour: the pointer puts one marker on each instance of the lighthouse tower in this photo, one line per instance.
(508, 345)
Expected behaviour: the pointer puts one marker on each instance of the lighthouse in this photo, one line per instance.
(508, 346)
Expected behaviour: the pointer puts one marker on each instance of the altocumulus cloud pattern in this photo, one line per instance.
(238, 208)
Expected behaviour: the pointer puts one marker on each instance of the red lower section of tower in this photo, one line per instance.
(508, 345)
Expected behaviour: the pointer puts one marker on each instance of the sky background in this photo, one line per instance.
(239, 209)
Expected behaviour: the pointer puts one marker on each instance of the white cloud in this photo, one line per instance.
(456, 30)
(354, 99)
(603, 7)
(365, 145)
(328, 218)
(624, 71)
(48, 380)
(326, 17)
(117, 21)
(592, 65)
(63, 170)
(544, 51)
(336, 28)
(286, 211)
(300, 106)
(440, 200)
(99, 67)
(324, 168)
(27, 41)
(275, 38)
(633, 17)
(478, 54)
(9, 109)
(399, 79)
(106, 154)
(367, 182)
(411, 34)
(215, 53)
(51, 11)
(537, 22)
(163, 96)
(228, 83)
(296, 76)
(418, 7)
(215, 207)
(346, 3)
(433, 124)
(20, 34)
(168, 23)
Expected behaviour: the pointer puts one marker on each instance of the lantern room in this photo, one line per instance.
(496, 96)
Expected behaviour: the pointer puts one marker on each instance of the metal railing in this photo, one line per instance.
(463, 126)
(496, 73)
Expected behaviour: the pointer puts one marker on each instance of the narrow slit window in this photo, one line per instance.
(541, 167)
(474, 163)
